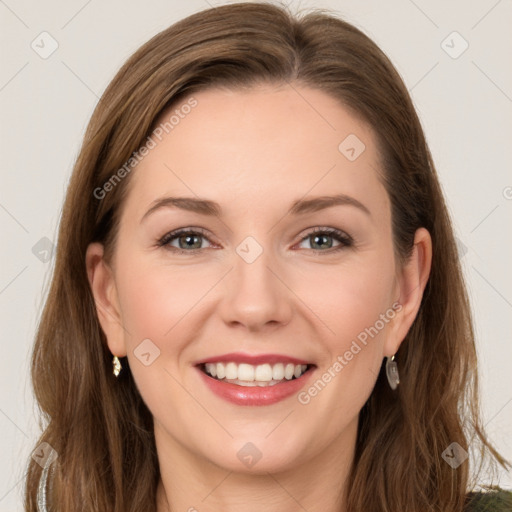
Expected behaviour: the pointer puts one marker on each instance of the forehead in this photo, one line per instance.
(257, 148)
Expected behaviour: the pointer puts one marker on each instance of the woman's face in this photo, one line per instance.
(254, 280)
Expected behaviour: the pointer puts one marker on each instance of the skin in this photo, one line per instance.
(255, 152)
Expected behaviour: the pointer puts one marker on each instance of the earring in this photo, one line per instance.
(392, 372)
(117, 366)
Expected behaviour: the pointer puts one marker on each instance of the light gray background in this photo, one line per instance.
(464, 103)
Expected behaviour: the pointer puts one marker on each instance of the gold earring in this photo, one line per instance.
(117, 366)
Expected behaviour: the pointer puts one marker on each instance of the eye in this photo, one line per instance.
(320, 237)
(188, 240)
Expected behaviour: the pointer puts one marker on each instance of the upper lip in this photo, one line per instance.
(239, 357)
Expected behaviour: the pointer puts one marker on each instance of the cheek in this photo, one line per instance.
(357, 308)
(350, 298)
(159, 303)
(155, 298)
(355, 303)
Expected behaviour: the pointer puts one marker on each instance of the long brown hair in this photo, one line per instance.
(99, 427)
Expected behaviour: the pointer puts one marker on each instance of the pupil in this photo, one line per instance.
(188, 239)
(316, 237)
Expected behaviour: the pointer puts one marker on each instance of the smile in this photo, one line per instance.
(254, 384)
(249, 375)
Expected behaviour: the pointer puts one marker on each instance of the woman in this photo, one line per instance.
(251, 366)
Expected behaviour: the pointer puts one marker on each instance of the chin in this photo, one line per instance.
(257, 457)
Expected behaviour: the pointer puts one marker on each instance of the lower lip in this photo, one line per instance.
(255, 395)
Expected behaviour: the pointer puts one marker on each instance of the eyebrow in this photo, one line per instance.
(299, 207)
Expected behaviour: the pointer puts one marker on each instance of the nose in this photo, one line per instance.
(257, 296)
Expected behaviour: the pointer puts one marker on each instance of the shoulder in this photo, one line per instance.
(494, 501)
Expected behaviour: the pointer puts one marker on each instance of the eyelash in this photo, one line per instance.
(340, 236)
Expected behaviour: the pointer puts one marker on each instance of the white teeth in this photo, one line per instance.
(231, 371)
(221, 371)
(254, 383)
(288, 371)
(263, 373)
(246, 372)
(249, 375)
(278, 371)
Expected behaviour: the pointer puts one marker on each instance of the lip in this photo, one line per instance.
(241, 357)
(255, 395)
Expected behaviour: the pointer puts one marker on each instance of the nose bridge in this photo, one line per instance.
(255, 296)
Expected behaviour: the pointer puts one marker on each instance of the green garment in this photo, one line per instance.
(500, 501)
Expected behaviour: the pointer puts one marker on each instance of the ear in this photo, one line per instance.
(102, 283)
(412, 278)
